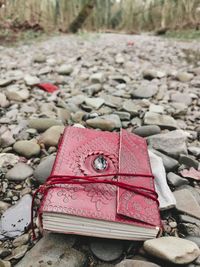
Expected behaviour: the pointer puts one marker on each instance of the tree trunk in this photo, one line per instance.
(82, 16)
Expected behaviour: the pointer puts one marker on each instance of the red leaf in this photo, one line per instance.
(191, 173)
(50, 88)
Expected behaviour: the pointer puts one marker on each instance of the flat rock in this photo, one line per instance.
(94, 102)
(97, 77)
(176, 180)
(106, 122)
(3, 101)
(147, 130)
(164, 121)
(195, 239)
(18, 252)
(172, 249)
(8, 159)
(42, 124)
(39, 58)
(16, 94)
(151, 74)
(182, 98)
(6, 82)
(187, 203)
(189, 161)
(195, 150)
(27, 148)
(184, 76)
(3, 206)
(31, 80)
(19, 172)
(51, 136)
(131, 107)
(136, 263)
(156, 108)
(43, 170)
(5, 263)
(145, 92)
(7, 139)
(106, 250)
(17, 218)
(171, 143)
(49, 250)
(170, 164)
(65, 69)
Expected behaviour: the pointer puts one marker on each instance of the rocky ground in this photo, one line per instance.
(145, 84)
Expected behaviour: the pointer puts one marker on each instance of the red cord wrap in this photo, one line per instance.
(56, 180)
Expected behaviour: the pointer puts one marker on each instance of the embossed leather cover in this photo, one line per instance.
(125, 153)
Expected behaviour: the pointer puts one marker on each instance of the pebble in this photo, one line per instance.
(131, 107)
(172, 143)
(189, 161)
(97, 77)
(144, 92)
(65, 69)
(106, 250)
(184, 76)
(147, 130)
(42, 124)
(156, 108)
(176, 180)
(21, 240)
(106, 122)
(31, 80)
(27, 148)
(172, 249)
(17, 218)
(18, 252)
(16, 94)
(170, 164)
(51, 136)
(44, 252)
(43, 170)
(182, 98)
(186, 202)
(136, 263)
(195, 239)
(3, 101)
(94, 102)
(19, 172)
(3, 206)
(5, 263)
(164, 121)
(150, 74)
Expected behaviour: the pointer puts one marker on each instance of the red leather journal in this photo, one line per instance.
(100, 209)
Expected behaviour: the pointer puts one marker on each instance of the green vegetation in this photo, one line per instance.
(184, 34)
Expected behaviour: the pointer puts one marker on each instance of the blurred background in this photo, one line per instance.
(130, 16)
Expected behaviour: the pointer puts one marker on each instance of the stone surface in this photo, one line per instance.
(172, 143)
(65, 69)
(152, 74)
(97, 78)
(106, 122)
(42, 124)
(164, 121)
(189, 161)
(45, 252)
(17, 218)
(184, 76)
(106, 250)
(131, 107)
(145, 92)
(176, 180)
(147, 130)
(19, 172)
(27, 148)
(182, 98)
(136, 263)
(5, 263)
(94, 102)
(186, 202)
(51, 136)
(43, 170)
(170, 164)
(31, 80)
(172, 249)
